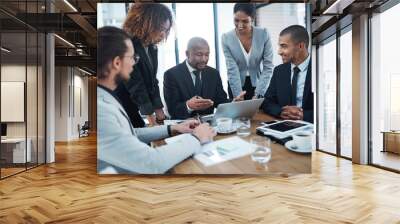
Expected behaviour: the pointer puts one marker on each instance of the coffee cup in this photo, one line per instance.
(224, 124)
(302, 139)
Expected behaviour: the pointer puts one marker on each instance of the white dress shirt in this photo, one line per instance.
(191, 69)
(301, 80)
(246, 56)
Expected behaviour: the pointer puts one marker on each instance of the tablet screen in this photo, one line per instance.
(285, 126)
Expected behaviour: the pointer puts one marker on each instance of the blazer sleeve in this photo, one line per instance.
(231, 67)
(124, 150)
(177, 109)
(150, 134)
(139, 92)
(267, 64)
(156, 97)
(270, 104)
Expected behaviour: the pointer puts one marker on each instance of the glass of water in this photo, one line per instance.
(243, 126)
(262, 152)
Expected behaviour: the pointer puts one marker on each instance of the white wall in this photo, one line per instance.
(276, 17)
(71, 93)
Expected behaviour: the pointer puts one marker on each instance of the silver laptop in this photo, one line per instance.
(245, 108)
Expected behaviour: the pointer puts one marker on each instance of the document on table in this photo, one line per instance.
(221, 150)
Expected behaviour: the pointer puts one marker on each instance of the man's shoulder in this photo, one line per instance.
(211, 70)
(282, 67)
(175, 70)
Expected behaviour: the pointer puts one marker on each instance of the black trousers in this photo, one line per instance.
(246, 87)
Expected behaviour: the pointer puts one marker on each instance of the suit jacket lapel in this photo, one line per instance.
(205, 83)
(154, 57)
(288, 83)
(143, 56)
(238, 47)
(108, 98)
(307, 85)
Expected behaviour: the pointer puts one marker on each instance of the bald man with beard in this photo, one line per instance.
(192, 87)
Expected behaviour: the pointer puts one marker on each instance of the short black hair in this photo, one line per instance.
(248, 8)
(297, 34)
(110, 44)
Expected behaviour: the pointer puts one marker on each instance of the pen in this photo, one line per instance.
(198, 118)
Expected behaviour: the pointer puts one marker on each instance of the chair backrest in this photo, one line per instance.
(86, 125)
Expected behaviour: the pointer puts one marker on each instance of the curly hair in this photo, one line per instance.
(145, 20)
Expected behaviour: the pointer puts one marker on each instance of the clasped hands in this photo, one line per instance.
(292, 113)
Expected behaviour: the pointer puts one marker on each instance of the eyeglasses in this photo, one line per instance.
(134, 57)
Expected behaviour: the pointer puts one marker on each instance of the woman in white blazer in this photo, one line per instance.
(247, 48)
(121, 148)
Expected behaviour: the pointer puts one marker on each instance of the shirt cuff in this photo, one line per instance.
(188, 109)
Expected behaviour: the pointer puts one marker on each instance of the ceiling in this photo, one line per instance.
(330, 15)
(21, 20)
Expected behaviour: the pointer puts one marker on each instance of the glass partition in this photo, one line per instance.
(327, 96)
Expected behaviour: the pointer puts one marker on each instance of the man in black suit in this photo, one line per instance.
(192, 87)
(289, 94)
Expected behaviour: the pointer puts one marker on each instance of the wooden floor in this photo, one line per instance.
(387, 159)
(70, 191)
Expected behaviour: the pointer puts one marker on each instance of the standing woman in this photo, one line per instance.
(246, 48)
(148, 24)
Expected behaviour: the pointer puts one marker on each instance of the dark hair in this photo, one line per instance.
(110, 44)
(297, 34)
(247, 8)
(145, 20)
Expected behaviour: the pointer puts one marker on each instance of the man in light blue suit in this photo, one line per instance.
(246, 49)
(120, 147)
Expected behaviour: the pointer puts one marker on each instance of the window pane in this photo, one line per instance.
(385, 85)
(111, 14)
(346, 94)
(327, 96)
(13, 83)
(275, 17)
(225, 24)
(195, 20)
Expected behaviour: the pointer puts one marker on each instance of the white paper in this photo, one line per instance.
(224, 150)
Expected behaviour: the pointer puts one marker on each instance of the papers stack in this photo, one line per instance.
(220, 151)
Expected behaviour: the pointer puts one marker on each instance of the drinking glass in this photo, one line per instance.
(262, 152)
(243, 126)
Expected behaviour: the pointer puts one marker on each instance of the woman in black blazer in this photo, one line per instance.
(148, 24)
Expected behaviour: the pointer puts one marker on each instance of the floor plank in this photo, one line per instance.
(70, 191)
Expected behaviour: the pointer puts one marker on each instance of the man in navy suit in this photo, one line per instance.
(289, 94)
(192, 87)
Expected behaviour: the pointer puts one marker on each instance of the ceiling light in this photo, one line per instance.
(86, 72)
(70, 5)
(65, 41)
(337, 7)
(5, 50)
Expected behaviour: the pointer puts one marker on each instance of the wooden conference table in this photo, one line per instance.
(283, 161)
